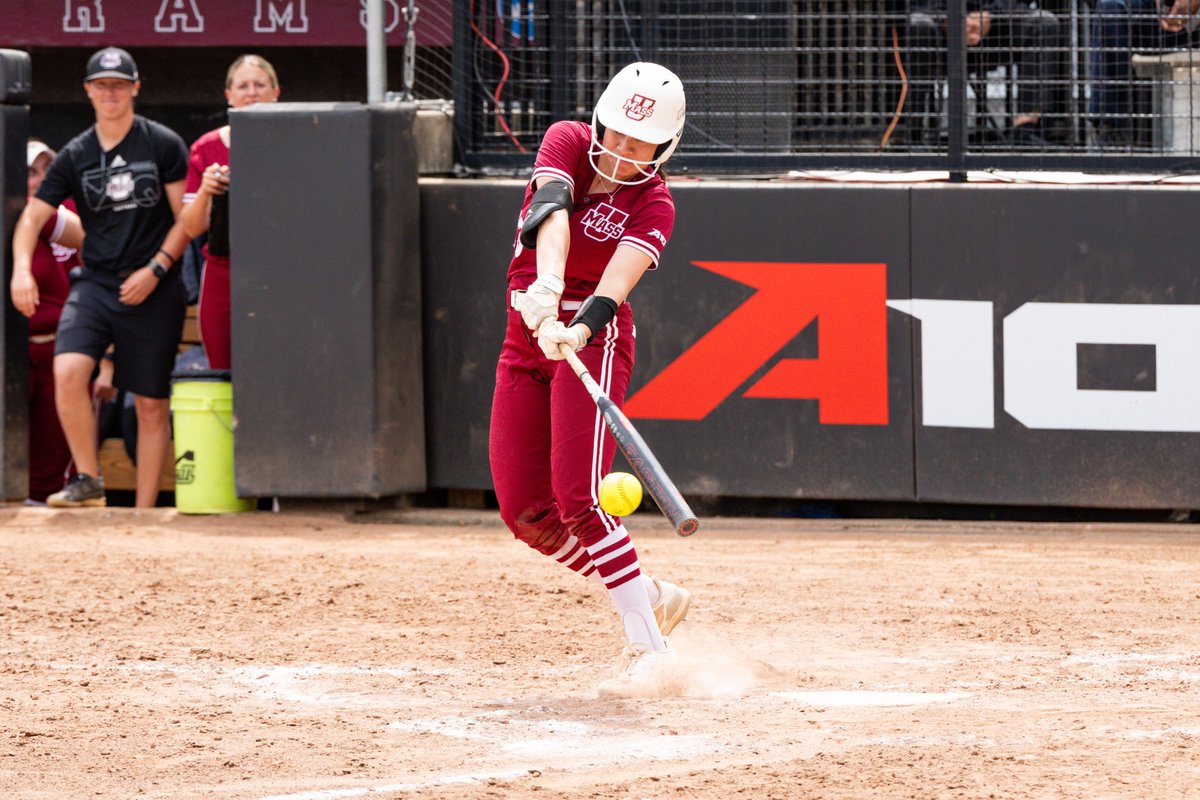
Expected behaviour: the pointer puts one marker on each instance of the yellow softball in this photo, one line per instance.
(620, 493)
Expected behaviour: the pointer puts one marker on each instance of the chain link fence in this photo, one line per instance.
(1109, 85)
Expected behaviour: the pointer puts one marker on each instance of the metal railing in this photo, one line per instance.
(776, 85)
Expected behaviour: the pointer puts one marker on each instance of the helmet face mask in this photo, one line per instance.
(643, 101)
(644, 170)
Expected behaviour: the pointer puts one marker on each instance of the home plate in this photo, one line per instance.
(870, 698)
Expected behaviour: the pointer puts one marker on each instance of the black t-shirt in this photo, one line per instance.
(119, 194)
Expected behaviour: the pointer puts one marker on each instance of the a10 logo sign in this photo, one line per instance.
(849, 377)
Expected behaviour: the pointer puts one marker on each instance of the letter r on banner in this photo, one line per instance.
(83, 16)
(849, 376)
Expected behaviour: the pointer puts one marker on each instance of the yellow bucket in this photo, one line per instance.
(202, 417)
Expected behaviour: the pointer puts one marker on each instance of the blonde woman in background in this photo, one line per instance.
(250, 79)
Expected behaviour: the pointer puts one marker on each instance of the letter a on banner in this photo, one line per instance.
(849, 376)
(177, 16)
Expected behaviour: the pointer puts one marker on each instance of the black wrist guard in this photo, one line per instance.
(596, 312)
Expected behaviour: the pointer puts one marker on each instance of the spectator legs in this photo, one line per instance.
(924, 43)
(1119, 29)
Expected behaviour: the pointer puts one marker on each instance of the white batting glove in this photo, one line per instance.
(540, 301)
(552, 333)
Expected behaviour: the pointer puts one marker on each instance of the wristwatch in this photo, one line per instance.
(158, 269)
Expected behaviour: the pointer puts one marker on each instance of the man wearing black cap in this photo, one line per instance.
(126, 174)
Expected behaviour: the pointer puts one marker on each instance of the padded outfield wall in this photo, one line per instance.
(933, 343)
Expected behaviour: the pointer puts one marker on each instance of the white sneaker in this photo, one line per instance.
(642, 672)
(672, 606)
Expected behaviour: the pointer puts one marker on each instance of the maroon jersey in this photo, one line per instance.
(207, 150)
(50, 264)
(640, 216)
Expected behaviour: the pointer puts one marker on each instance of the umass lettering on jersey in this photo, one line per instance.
(604, 222)
(210, 23)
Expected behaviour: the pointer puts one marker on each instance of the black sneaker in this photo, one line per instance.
(82, 490)
(1028, 137)
(1109, 137)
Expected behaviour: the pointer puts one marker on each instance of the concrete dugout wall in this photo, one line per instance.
(1038, 343)
(326, 301)
(14, 354)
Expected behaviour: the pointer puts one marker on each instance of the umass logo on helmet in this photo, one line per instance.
(639, 107)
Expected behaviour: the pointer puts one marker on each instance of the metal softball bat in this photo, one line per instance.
(636, 452)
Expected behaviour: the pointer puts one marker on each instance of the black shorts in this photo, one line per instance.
(145, 337)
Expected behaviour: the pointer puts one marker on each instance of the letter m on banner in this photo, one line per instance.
(275, 15)
(849, 376)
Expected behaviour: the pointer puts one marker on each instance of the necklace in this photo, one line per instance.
(611, 194)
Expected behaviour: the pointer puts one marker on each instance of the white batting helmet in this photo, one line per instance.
(645, 101)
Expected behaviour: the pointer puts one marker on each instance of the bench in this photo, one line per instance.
(115, 465)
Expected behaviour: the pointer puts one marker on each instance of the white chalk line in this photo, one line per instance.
(1165, 733)
(1102, 659)
(561, 738)
(561, 742)
(294, 684)
(844, 699)
(909, 740)
(447, 780)
(1144, 666)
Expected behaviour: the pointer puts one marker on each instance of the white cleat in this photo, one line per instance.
(644, 673)
(672, 606)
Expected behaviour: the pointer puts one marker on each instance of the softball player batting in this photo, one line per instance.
(596, 216)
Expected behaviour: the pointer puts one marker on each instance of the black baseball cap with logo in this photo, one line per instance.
(111, 62)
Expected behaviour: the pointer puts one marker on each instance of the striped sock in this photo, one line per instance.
(614, 558)
(575, 557)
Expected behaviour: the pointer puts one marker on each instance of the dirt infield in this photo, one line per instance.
(314, 656)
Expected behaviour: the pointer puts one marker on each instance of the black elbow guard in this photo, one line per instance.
(596, 312)
(546, 200)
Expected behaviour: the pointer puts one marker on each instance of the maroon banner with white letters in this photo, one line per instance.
(213, 23)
